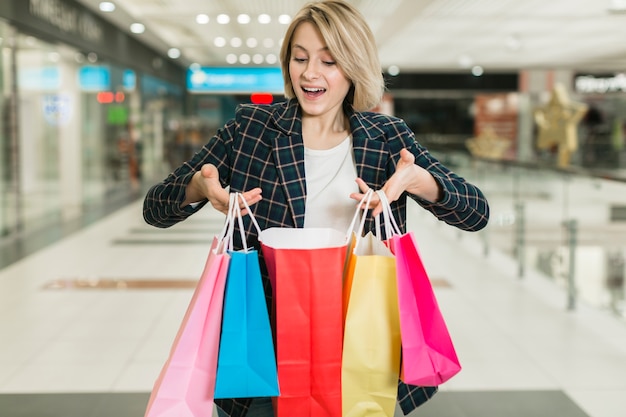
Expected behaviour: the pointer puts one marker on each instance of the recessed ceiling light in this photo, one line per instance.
(477, 70)
(107, 6)
(137, 28)
(257, 59)
(284, 19)
(244, 58)
(173, 53)
(223, 19)
(264, 18)
(243, 19)
(219, 42)
(251, 42)
(393, 70)
(231, 58)
(202, 19)
(617, 6)
(235, 42)
(271, 59)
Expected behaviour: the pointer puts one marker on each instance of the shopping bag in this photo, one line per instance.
(246, 365)
(305, 268)
(428, 354)
(372, 345)
(185, 386)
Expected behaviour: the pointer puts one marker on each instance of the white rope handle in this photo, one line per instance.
(368, 200)
(367, 196)
(252, 218)
(226, 238)
(391, 226)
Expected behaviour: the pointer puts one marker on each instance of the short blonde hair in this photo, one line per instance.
(352, 45)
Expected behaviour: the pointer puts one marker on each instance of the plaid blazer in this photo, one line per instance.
(262, 147)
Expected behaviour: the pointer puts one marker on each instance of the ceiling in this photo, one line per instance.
(414, 35)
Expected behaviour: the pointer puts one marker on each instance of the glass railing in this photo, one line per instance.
(568, 225)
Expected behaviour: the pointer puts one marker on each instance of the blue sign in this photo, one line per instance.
(235, 80)
(94, 78)
(38, 79)
(129, 80)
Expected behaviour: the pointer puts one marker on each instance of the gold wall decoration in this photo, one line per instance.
(557, 122)
(488, 145)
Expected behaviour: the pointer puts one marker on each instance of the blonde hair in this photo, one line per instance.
(352, 45)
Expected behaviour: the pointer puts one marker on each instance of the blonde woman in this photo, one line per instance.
(305, 161)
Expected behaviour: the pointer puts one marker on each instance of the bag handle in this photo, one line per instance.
(237, 215)
(391, 226)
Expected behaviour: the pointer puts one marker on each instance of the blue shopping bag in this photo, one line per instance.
(246, 365)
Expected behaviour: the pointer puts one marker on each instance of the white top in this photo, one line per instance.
(330, 179)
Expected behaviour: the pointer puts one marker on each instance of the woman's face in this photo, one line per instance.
(319, 84)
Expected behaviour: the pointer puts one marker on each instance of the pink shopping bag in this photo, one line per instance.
(186, 384)
(428, 354)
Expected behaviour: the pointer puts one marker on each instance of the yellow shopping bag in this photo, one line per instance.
(372, 345)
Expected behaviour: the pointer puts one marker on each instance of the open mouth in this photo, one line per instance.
(313, 92)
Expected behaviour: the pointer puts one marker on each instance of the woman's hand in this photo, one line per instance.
(408, 177)
(206, 184)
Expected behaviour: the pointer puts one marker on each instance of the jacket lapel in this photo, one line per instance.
(288, 150)
(370, 151)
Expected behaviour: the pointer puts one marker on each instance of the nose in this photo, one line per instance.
(311, 72)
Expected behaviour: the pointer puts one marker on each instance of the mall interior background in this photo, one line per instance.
(90, 117)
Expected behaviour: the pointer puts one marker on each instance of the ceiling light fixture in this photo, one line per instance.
(173, 53)
(284, 19)
(617, 6)
(107, 7)
(202, 19)
(477, 70)
(220, 42)
(393, 70)
(264, 18)
(231, 58)
(137, 28)
(243, 19)
(223, 19)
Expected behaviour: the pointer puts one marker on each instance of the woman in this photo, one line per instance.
(304, 162)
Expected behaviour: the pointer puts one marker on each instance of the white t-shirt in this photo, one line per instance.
(330, 179)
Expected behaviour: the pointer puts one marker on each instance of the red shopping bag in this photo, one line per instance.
(306, 268)
(186, 384)
(428, 354)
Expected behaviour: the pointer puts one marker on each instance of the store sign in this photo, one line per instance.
(94, 78)
(591, 84)
(235, 80)
(57, 109)
(67, 18)
(39, 79)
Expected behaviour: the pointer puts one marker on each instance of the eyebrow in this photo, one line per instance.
(295, 45)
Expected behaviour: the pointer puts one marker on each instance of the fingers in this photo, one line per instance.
(252, 197)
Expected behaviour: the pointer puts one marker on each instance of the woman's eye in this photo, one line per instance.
(329, 63)
(299, 59)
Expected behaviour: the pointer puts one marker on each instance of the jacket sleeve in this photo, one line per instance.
(162, 203)
(462, 204)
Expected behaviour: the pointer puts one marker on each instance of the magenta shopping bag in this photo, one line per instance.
(428, 354)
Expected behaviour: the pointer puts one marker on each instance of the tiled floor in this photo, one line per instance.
(68, 351)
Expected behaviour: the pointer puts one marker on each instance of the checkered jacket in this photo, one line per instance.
(262, 147)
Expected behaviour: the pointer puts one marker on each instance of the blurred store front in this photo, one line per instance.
(83, 108)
